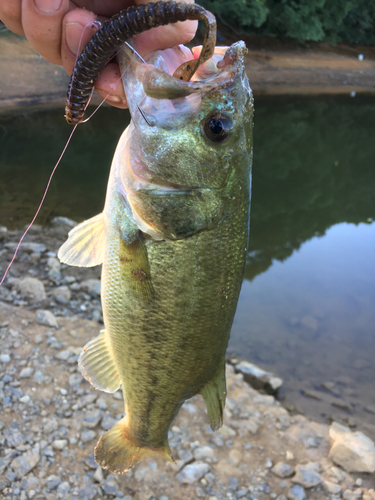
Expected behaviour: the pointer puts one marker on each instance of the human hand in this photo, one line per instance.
(59, 29)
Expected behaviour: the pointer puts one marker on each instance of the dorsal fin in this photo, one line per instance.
(85, 245)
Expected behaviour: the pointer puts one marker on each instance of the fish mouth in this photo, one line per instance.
(156, 98)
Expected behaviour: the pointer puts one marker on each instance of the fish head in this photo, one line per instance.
(188, 143)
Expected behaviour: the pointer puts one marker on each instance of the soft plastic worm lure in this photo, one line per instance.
(122, 26)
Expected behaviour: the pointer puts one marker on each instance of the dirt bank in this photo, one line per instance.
(273, 67)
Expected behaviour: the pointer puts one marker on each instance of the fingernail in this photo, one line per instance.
(47, 6)
(73, 32)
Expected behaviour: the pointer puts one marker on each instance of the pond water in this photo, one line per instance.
(307, 306)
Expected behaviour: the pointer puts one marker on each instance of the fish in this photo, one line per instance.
(172, 241)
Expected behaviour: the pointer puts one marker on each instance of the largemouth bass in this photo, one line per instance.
(172, 239)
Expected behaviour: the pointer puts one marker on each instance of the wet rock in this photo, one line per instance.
(23, 464)
(354, 452)
(297, 493)
(306, 477)
(26, 372)
(29, 287)
(193, 472)
(92, 287)
(282, 469)
(62, 294)
(46, 318)
(259, 378)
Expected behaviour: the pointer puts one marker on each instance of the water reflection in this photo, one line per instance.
(309, 311)
(314, 164)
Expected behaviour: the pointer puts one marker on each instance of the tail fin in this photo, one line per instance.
(117, 451)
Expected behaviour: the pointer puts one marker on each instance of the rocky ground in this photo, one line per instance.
(51, 418)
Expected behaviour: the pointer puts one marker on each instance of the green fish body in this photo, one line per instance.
(172, 240)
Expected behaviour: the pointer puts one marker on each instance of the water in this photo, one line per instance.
(306, 310)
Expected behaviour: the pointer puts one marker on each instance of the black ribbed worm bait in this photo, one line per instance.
(119, 28)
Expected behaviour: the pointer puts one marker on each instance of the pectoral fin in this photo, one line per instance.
(97, 364)
(214, 394)
(85, 245)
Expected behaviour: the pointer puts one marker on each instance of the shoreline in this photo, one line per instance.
(274, 67)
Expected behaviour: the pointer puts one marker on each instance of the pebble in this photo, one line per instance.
(110, 486)
(259, 378)
(227, 432)
(62, 294)
(87, 436)
(204, 453)
(306, 477)
(92, 286)
(25, 463)
(47, 318)
(352, 495)
(26, 372)
(29, 287)
(282, 470)
(193, 472)
(297, 493)
(353, 451)
(59, 444)
(108, 421)
(98, 475)
(52, 482)
(4, 358)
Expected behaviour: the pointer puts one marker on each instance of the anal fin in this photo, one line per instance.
(97, 364)
(85, 245)
(214, 395)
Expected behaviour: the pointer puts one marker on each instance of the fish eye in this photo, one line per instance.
(217, 127)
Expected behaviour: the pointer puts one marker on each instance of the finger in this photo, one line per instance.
(10, 14)
(109, 86)
(42, 24)
(167, 36)
(77, 30)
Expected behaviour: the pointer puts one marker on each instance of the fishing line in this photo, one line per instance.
(40, 206)
(96, 25)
